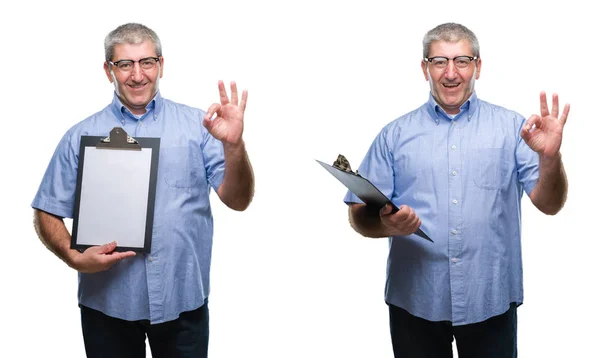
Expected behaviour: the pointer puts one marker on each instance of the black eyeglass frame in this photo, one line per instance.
(116, 63)
(471, 58)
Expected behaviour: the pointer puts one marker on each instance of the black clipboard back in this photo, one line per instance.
(363, 189)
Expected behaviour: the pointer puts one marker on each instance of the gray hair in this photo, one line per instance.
(131, 33)
(450, 32)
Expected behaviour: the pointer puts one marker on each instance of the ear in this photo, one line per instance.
(107, 71)
(162, 65)
(424, 68)
(478, 68)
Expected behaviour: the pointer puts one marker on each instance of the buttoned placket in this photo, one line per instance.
(454, 231)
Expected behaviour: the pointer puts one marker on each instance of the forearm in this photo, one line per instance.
(550, 193)
(366, 221)
(237, 188)
(53, 233)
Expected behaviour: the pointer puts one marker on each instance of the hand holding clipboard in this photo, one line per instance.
(361, 187)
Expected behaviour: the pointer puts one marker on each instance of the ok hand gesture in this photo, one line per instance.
(228, 125)
(546, 137)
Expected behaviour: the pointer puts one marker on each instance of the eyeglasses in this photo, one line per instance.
(147, 63)
(440, 62)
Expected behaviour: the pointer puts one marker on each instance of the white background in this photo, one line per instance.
(290, 278)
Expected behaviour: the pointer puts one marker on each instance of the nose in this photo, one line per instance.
(137, 74)
(451, 71)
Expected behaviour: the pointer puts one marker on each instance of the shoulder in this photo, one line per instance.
(184, 119)
(413, 120)
(500, 122)
(182, 110)
(93, 125)
(499, 113)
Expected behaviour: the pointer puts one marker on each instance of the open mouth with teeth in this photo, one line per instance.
(451, 85)
(137, 87)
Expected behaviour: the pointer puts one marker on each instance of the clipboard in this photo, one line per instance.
(364, 189)
(115, 192)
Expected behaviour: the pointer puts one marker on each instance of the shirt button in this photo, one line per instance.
(454, 259)
(453, 123)
(453, 147)
(453, 232)
(454, 201)
(454, 172)
(150, 258)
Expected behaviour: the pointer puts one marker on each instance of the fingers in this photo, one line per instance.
(565, 114)
(414, 224)
(409, 221)
(108, 248)
(404, 222)
(222, 93)
(214, 108)
(106, 261)
(234, 95)
(534, 120)
(386, 210)
(116, 256)
(543, 105)
(526, 130)
(244, 99)
(555, 105)
(101, 258)
(404, 213)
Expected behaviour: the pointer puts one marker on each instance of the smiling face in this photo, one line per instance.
(137, 87)
(451, 86)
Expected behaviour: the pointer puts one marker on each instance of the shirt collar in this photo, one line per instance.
(436, 112)
(123, 113)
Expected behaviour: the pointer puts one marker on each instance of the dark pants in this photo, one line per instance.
(108, 337)
(414, 337)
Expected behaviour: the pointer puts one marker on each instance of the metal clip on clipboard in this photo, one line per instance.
(118, 139)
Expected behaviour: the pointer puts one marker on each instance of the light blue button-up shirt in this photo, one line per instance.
(464, 177)
(174, 277)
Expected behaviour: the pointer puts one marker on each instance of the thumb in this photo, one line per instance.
(385, 210)
(108, 248)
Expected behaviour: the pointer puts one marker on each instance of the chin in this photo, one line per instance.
(140, 101)
(454, 102)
